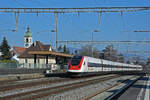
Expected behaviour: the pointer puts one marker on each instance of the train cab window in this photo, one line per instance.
(76, 60)
(84, 63)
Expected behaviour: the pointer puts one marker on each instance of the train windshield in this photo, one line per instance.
(76, 60)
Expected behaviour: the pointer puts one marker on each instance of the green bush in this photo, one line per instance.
(7, 61)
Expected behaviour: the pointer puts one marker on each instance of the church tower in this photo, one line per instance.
(28, 38)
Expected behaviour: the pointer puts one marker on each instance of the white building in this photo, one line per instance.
(28, 38)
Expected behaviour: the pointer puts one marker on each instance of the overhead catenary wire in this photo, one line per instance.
(74, 10)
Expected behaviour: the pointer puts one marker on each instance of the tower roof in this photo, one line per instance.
(28, 33)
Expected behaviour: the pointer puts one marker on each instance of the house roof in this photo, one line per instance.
(52, 53)
(36, 46)
(19, 50)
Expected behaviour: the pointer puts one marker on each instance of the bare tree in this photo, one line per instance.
(110, 53)
(89, 50)
(136, 60)
(120, 58)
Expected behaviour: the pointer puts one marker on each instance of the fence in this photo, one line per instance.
(8, 65)
(24, 65)
(34, 66)
(15, 68)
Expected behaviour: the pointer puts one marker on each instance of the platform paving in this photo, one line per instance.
(139, 91)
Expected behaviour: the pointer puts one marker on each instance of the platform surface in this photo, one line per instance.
(139, 91)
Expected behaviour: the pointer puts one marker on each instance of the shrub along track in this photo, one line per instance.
(56, 89)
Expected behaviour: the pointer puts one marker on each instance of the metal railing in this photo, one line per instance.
(32, 66)
(24, 65)
(26, 68)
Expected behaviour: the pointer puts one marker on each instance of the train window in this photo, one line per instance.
(94, 64)
(76, 57)
(76, 60)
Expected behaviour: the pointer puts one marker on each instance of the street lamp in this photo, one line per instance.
(93, 32)
(92, 39)
(56, 37)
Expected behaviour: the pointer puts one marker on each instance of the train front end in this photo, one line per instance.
(75, 65)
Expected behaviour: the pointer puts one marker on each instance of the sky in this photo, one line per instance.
(72, 26)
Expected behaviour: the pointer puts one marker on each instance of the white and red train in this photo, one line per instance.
(84, 64)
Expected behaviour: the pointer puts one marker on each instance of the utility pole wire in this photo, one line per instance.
(142, 31)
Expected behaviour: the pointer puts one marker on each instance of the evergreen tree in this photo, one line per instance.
(60, 48)
(5, 49)
(128, 62)
(65, 49)
(76, 52)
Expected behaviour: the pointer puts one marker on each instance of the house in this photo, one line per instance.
(17, 51)
(21, 55)
(1, 55)
(25, 57)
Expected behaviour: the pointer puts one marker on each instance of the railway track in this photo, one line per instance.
(29, 84)
(39, 93)
(34, 82)
(116, 94)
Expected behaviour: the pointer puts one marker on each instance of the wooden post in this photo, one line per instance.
(46, 59)
(35, 57)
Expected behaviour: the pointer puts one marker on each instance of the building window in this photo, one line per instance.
(26, 61)
(27, 40)
(38, 60)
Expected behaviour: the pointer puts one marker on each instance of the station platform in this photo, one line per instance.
(139, 91)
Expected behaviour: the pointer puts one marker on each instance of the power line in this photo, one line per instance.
(73, 10)
(142, 31)
(104, 42)
(143, 52)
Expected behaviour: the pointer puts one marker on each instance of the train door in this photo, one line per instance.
(85, 64)
(102, 65)
(83, 68)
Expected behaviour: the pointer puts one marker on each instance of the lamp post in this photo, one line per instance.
(92, 39)
(56, 29)
(56, 36)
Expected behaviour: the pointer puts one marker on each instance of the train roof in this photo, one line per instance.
(108, 62)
